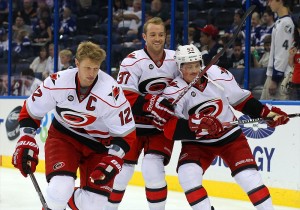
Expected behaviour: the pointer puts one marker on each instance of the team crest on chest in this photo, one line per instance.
(154, 85)
(74, 118)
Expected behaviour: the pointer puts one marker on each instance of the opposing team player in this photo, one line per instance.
(282, 39)
(201, 111)
(92, 129)
(143, 75)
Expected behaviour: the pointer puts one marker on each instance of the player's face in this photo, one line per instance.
(274, 5)
(204, 39)
(155, 38)
(87, 71)
(190, 70)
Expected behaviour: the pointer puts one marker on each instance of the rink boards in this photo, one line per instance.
(276, 151)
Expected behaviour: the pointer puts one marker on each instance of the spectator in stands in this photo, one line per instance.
(266, 27)
(50, 62)
(67, 24)
(42, 32)
(129, 4)
(39, 63)
(28, 12)
(21, 46)
(237, 19)
(20, 26)
(262, 61)
(30, 82)
(87, 7)
(3, 43)
(282, 38)
(158, 10)
(43, 11)
(237, 59)
(66, 59)
(294, 62)
(3, 85)
(210, 46)
(255, 27)
(130, 19)
(3, 10)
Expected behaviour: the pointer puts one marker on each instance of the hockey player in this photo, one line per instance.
(92, 129)
(201, 112)
(282, 39)
(143, 75)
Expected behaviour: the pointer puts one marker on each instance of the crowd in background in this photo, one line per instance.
(211, 24)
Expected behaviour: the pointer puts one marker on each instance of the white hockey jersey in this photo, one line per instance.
(104, 112)
(282, 39)
(139, 74)
(209, 99)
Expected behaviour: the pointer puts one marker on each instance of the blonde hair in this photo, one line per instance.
(90, 50)
(155, 21)
(67, 53)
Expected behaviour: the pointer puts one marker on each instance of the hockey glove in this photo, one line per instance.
(25, 157)
(204, 124)
(159, 107)
(106, 170)
(274, 116)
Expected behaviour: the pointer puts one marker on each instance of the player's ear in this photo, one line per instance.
(144, 36)
(76, 62)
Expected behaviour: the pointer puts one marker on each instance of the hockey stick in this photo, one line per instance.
(248, 121)
(217, 56)
(38, 190)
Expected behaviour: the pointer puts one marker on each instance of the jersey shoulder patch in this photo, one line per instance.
(219, 73)
(175, 87)
(109, 90)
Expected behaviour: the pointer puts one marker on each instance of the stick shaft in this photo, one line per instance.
(38, 190)
(242, 122)
(217, 56)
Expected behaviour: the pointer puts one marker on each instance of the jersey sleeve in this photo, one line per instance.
(240, 99)
(128, 75)
(177, 127)
(232, 90)
(120, 121)
(37, 105)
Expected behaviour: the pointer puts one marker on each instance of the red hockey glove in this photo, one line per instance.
(106, 170)
(158, 124)
(25, 157)
(202, 124)
(159, 107)
(274, 116)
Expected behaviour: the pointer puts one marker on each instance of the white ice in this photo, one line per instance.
(18, 193)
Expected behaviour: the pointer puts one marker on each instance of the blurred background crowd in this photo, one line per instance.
(211, 23)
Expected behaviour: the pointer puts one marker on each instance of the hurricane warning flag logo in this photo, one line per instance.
(115, 92)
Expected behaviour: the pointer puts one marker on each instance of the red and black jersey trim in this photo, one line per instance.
(182, 130)
(251, 107)
(222, 142)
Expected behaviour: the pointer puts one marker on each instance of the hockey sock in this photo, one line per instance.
(251, 182)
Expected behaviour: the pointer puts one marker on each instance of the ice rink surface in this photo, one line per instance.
(18, 193)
